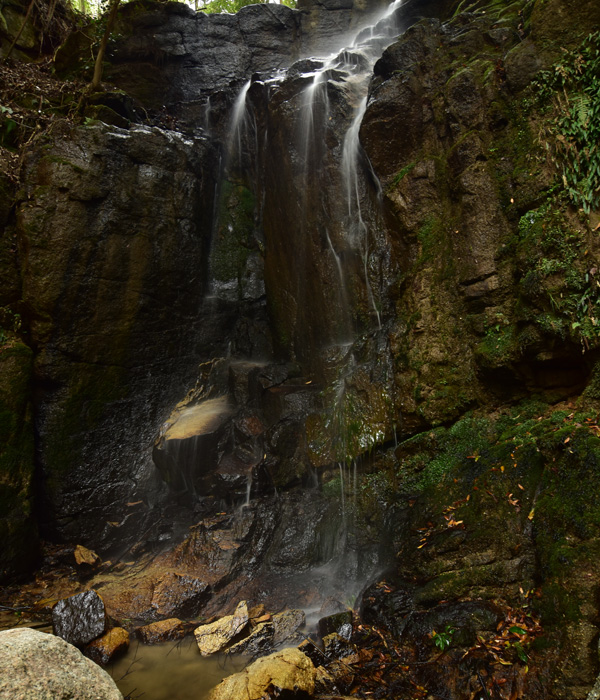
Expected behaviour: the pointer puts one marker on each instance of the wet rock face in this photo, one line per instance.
(18, 531)
(80, 618)
(35, 665)
(112, 221)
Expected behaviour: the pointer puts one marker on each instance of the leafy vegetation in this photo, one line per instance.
(443, 640)
(555, 276)
(572, 134)
(233, 6)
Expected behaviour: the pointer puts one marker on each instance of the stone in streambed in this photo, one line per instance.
(39, 666)
(110, 645)
(258, 642)
(287, 623)
(80, 618)
(217, 635)
(336, 647)
(287, 670)
(163, 631)
(340, 623)
(85, 558)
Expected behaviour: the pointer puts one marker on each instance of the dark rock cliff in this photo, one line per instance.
(450, 349)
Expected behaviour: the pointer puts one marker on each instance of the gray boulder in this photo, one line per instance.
(39, 666)
(80, 618)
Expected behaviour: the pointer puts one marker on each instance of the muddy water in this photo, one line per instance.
(172, 671)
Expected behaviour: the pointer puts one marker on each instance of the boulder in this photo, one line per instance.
(258, 642)
(39, 666)
(79, 618)
(287, 623)
(336, 647)
(217, 635)
(286, 670)
(108, 646)
(163, 631)
(340, 623)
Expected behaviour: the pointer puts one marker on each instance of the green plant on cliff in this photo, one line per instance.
(233, 6)
(572, 134)
(556, 278)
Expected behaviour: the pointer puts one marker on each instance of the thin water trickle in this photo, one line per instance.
(237, 124)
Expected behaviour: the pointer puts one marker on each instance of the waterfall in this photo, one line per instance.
(238, 125)
(295, 194)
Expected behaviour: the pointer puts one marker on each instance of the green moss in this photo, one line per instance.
(403, 173)
(234, 237)
(430, 237)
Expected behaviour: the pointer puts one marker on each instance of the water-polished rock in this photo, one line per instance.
(336, 647)
(163, 631)
(179, 595)
(80, 618)
(110, 645)
(217, 635)
(288, 671)
(258, 642)
(39, 666)
(340, 623)
(287, 623)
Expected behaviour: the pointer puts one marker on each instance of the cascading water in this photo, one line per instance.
(298, 228)
(292, 149)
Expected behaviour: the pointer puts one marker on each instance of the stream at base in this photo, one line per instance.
(171, 670)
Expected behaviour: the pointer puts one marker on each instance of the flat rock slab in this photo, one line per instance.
(163, 631)
(80, 618)
(216, 636)
(287, 670)
(39, 666)
(179, 595)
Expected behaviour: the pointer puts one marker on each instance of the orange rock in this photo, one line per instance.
(107, 647)
(85, 557)
(162, 631)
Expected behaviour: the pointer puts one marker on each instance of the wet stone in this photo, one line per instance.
(286, 624)
(80, 618)
(336, 647)
(313, 652)
(340, 623)
(107, 647)
(217, 635)
(179, 595)
(331, 606)
(86, 558)
(259, 642)
(163, 631)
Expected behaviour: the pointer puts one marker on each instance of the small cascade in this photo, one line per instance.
(240, 122)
